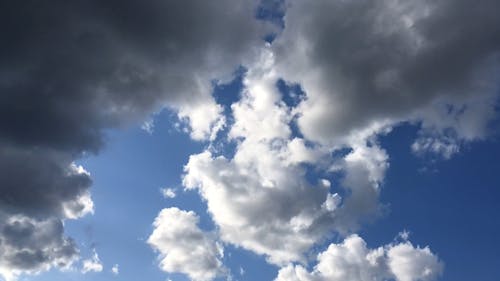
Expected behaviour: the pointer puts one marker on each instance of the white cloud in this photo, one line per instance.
(351, 260)
(408, 263)
(204, 118)
(183, 247)
(260, 114)
(93, 264)
(168, 193)
(361, 79)
(261, 199)
(129, 74)
(115, 269)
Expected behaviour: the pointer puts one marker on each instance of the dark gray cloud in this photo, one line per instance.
(361, 61)
(69, 70)
(39, 183)
(31, 245)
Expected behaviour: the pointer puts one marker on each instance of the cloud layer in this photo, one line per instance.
(261, 199)
(301, 173)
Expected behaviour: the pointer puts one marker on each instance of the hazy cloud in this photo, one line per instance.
(93, 264)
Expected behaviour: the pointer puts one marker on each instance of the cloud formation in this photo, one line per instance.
(184, 247)
(351, 260)
(29, 245)
(364, 68)
(70, 71)
(261, 199)
(366, 64)
(91, 65)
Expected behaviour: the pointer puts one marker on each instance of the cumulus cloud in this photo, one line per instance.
(364, 64)
(260, 198)
(364, 67)
(352, 260)
(184, 247)
(39, 188)
(33, 245)
(70, 71)
(93, 264)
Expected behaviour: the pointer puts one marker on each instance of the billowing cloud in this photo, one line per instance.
(352, 260)
(38, 190)
(364, 68)
(365, 64)
(261, 199)
(33, 245)
(71, 70)
(184, 247)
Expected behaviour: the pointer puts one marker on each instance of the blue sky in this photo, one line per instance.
(285, 140)
(449, 204)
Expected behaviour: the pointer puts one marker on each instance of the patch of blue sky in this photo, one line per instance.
(128, 176)
(451, 205)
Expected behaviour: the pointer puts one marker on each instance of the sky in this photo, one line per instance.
(285, 140)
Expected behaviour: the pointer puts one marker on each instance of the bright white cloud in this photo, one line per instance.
(183, 247)
(93, 264)
(204, 118)
(351, 260)
(168, 193)
(260, 198)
